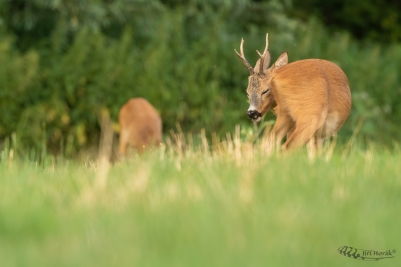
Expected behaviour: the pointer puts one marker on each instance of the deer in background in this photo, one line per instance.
(311, 98)
(140, 125)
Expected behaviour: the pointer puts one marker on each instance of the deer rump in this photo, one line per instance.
(313, 92)
(140, 125)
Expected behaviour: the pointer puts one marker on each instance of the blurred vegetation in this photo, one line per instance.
(379, 20)
(61, 62)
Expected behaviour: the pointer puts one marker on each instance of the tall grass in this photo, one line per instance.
(196, 202)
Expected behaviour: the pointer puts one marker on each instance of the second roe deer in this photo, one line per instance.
(311, 98)
(140, 125)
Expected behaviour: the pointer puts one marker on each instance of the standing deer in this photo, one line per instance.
(311, 97)
(140, 125)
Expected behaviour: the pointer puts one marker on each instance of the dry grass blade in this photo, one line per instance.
(105, 148)
(352, 139)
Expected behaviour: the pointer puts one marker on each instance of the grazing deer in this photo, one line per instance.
(140, 125)
(311, 97)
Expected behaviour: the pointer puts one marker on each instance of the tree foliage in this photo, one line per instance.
(379, 20)
(61, 62)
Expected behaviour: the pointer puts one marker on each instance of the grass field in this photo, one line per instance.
(187, 206)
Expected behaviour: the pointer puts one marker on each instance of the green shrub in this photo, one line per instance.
(180, 57)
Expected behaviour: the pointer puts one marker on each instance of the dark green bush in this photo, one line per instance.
(378, 20)
(180, 57)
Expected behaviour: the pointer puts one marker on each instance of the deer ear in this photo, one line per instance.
(281, 61)
(266, 62)
(257, 64)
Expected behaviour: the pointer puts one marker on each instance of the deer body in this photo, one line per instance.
(140, 125)
(311, 98)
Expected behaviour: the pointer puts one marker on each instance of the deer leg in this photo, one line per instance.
(304, 131)
(291, 131)
(318, 141)
(281, 127)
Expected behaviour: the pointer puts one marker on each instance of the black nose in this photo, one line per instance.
(253, 114)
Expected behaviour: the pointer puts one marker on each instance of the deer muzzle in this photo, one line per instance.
(254, 115)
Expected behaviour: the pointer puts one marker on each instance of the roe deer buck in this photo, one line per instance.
(140, 125)
(311, 97)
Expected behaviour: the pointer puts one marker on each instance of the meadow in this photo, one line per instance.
(203, 199)
(229, 202)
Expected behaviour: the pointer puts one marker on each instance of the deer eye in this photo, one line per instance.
(264, 92)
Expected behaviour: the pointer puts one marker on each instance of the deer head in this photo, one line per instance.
(259, 91)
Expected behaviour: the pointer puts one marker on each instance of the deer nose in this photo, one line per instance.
(253, 114)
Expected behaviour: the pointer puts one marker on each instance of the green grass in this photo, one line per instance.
(230, 207)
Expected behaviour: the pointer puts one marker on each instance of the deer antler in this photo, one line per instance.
(242, 57)
(262, 56)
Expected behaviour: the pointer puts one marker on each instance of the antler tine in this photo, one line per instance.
(262, 56)
(267, 44)
(242, 57)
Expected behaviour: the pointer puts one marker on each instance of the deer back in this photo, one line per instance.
(140, 125)
(307, 87)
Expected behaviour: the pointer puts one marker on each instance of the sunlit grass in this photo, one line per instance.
(223, 202)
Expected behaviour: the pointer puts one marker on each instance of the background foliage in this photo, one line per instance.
(61, 62)
(375, 19)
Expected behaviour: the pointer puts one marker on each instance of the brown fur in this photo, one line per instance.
(140, 125)
(311, 98)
